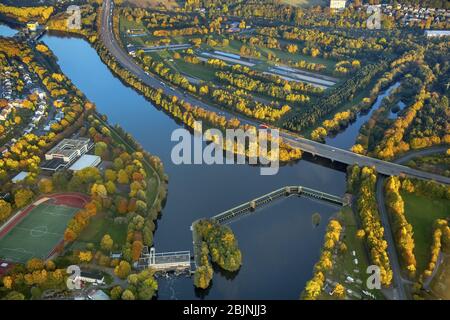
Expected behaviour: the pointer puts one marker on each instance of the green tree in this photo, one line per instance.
(128, 295)
(116, 293)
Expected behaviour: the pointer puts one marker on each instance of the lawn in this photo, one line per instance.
(101, 225)
(421, 212)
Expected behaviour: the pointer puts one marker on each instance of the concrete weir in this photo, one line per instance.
(231, 215)
(246, 208)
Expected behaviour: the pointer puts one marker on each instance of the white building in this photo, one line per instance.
(437, 33)
(21, 176)
(65, 153)
(91, 277)
(69, 149)
(86, 161)
(337, 4)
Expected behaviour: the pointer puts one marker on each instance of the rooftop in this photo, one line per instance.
(85, 161)
(67, 146)
(92, 275)
(22, 175)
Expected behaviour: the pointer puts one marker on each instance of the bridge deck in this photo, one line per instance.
(240, 210)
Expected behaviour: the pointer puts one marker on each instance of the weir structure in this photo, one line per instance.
(232, 214)
(249, 207)
(164, 261)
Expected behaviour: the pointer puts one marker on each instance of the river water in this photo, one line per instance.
(346, 139)
(279, 243)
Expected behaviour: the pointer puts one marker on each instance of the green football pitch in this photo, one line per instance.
(37, 234)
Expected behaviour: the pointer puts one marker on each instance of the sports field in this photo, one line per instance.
(37, 233)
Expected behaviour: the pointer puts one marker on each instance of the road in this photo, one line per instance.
(399, 282)
(306, 145)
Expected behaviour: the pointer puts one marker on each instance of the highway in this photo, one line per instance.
(306, 145)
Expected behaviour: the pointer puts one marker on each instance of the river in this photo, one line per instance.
(346, 138)
(279, 243)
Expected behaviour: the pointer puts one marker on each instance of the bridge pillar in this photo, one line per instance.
(287, 190)
(252, 205)
(152, 256)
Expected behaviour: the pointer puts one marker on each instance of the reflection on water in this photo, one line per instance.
(6, 31)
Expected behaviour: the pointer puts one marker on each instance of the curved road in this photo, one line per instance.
(315, 148)
(399, 282)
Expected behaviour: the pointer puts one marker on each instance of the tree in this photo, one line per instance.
(22, 197)
(116, 293)
(123, 177)
(34, 264)
(339, 291)
(136, 250)
(360, 234)
(203, 276)
(123, 269)
(292, 48)
(128, 295)
(5, 210)
(8, 282)
(100, 148)
(106, 243)
(110, 187)
(85, 256)
(14, 295)
(45, 185)
(110, 175)
(99, 190)
(316, 218)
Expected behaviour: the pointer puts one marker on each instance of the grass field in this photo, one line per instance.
(97, 228)
(421, 212)
(37, 234)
